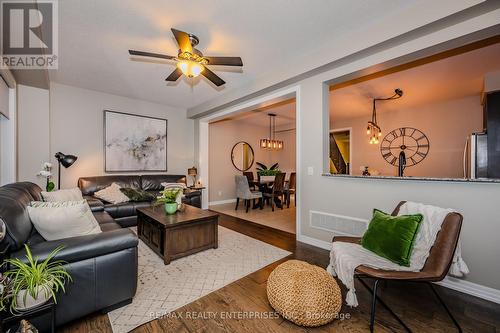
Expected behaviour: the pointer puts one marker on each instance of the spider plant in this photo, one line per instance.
(34, 277)
(5, 291)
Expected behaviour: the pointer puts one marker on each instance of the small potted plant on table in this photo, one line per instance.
(34, 282)
(168, 197)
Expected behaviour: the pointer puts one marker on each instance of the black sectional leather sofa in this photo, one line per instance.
(125, 213)
(103, 266)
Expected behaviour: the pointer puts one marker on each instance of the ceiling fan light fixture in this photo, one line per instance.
(190, 68)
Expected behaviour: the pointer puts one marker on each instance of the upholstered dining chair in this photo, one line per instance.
(251, 182)
(277, 190)
(290, 189)
(243, 192)
(435, 269)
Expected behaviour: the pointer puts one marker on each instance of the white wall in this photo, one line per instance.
(8, 144)
(76, 127)
(223, 136)
(33, 132)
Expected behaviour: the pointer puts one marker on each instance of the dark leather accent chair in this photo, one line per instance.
(103, 266)
(435, 269)
(125, 213)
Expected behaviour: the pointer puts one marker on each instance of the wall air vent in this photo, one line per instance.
(338, 224)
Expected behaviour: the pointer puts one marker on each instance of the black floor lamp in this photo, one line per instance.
(66, 161)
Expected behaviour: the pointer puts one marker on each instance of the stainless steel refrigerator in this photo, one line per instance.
(476, 156)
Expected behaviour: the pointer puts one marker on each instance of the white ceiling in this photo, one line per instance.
(94, 36)
(450, 78)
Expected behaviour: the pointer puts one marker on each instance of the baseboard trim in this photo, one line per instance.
(221, 202)
(471, 288)
(315, 242)
(463, 286)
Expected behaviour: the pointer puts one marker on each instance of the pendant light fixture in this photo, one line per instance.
(271, 142)
(373, 130)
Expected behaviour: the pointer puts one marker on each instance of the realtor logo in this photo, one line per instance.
(29, 34)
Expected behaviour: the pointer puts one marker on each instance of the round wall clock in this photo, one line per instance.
(413, 142)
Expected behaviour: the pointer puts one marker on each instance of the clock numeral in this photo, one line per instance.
(422, 137)
(421, 154)
(386, 155)
(413, 160)
(393, 161)
(413, 132)
(423, 146)
(402, 131)
(394, 134)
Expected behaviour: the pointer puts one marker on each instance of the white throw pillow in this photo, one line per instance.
(58, 220)
(175, 186)
(73, 194)
(112, 194)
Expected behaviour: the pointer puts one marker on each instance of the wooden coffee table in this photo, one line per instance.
(181, 234)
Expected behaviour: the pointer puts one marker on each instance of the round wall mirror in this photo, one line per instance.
(242, 156)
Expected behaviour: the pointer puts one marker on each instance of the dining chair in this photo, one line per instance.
(243, 192)
(277, 190)
(251, 182)
(290, 189)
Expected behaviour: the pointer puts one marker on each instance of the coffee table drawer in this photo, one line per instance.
(184, 239)
(151, 233)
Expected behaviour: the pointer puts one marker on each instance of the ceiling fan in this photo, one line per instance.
(190, 61)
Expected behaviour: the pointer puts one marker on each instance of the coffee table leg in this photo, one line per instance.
(216, 233)
(166, 260)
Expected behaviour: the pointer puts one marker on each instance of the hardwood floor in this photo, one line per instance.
(234, 308)
(282, 219)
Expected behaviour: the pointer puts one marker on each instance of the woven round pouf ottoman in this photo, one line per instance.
(304, 294)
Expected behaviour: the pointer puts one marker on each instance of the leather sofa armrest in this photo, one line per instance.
(83, 247)
(192, 194)
(95, 204)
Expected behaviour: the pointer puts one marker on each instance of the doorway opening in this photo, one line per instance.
(252, 165)
(340, 151)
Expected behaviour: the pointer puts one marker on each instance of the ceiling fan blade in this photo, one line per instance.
(149, 54)
(225, 61)
(183, 40)
(174, 76)
(212, 77)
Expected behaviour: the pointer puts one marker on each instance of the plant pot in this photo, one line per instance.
(267, 178)
(23, 304)
(171, 208)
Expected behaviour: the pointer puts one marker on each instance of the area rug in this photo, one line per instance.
(164, 288)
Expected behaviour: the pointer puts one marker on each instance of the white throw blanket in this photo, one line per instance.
(345, 257)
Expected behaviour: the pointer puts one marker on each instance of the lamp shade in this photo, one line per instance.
(192, 171)
(65, 160)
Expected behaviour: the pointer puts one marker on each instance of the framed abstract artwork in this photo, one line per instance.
(134, 143)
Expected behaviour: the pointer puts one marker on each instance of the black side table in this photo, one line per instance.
(11, 321)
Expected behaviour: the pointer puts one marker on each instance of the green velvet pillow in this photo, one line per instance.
(392, 237)
(137, 195)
